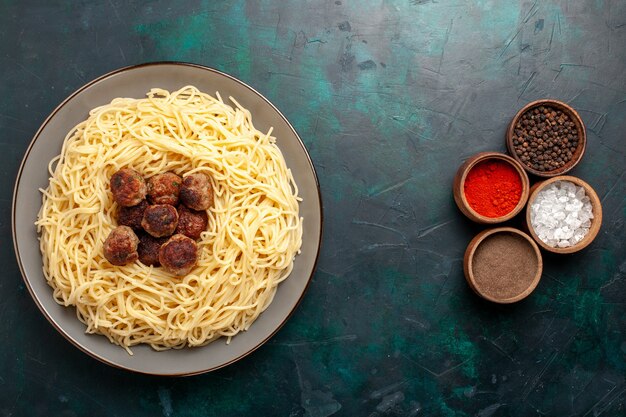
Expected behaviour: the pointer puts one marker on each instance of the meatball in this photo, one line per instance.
(131, 216)
(164, 188)
(149, 249)
(178, 255)
(160, 220)
(191, 223)
(196, 192)
(120, 247)
(128, 187)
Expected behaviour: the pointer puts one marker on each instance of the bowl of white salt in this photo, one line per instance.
(564, 214)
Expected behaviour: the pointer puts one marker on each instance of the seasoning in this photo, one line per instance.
(504, 266)
(545, 138)
(561, 214)
(493, 188)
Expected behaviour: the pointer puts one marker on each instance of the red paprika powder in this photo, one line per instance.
(493, 188)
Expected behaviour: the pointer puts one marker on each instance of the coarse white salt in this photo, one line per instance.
(561, 214)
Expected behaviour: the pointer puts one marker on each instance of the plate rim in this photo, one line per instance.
(16, 187)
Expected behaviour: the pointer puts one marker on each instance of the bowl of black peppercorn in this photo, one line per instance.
(547, 137)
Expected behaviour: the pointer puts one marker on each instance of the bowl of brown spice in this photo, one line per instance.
(547, 137)
(502, 265)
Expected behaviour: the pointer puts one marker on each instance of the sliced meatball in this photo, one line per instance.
(191, 223)
(132, 216)
(128, 187)
(120, 247)
(164, 188)
(178, 255)
(196, 192)
(160, 220)
(148, 249)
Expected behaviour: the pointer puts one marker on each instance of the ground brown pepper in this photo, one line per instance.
(504, 265)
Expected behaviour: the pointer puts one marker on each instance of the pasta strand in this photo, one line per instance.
(253, 235)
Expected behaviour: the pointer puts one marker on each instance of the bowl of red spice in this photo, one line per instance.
(547, 137)
(491, 187)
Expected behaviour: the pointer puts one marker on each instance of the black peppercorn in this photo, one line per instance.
(545, 138)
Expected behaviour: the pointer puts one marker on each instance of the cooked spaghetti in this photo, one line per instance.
(253, 235)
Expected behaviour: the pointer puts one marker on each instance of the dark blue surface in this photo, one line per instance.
(389, 97)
